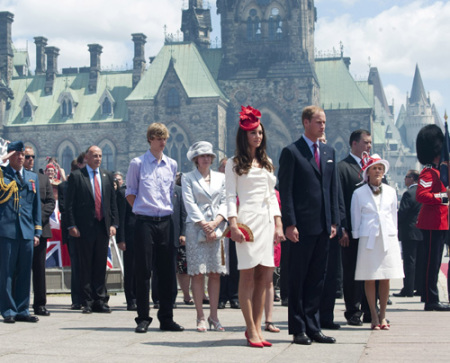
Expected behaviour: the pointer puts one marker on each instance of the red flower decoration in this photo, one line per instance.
(249, 118)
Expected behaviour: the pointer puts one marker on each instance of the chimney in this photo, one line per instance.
(52, 68)
(41, 43)
(94, 72)
(139, 40)
(6, 52)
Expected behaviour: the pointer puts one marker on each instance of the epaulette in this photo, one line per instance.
(7, 190)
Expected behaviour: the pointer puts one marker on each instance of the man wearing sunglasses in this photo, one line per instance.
(40, 251)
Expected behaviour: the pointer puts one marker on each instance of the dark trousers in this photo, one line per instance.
(284, 270)
(39, 286)
(229, 284)
(75, 287)
(409, 248)
(16, 258)
(307, 267)
(433, 247)
(129, 279)
(93, 254)
(155, 281)
(153, 239)
(331, 283)
(353, 290)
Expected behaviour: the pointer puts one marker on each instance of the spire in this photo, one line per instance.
(418, 94)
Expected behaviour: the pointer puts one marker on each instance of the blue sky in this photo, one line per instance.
(395, 35)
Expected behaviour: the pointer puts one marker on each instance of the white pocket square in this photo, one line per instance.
(329, 161)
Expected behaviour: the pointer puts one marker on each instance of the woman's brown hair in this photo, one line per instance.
(243, 160)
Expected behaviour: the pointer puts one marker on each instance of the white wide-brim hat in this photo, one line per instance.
(200, 148)
(369, 161)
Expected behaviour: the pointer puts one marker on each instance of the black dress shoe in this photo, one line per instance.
(235, 304)
(355, 321)
(171, 326)
(103, 308)
(330, 325)
(437, 307)
(320, 338)
(41, 310)
(205, 301)
(284, 302)
(389, 302)
(367, 318)
(9, 320)
(86, 310)
(132, 307)
(76, 307)
(402, 294)
(142, 326)
(221, 305)
(302, 339)
(27, 319)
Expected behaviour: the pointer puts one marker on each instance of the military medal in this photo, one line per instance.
(33, 185)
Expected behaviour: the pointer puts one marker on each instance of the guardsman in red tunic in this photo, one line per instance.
(433, 216)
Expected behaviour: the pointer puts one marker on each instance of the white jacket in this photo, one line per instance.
(368, 220)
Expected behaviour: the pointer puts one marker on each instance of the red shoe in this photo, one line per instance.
(376, 327)
(265, 343)
(254, 345)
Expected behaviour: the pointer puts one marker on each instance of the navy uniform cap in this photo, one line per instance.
(16, 146)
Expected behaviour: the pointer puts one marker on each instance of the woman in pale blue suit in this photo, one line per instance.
(204, 199)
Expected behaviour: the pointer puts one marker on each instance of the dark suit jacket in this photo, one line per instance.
(127, 218)
(306, 192)
(47, 204)
(80, 203)
(407, 216)
(178, 224)
(62, 196)
(349, 177)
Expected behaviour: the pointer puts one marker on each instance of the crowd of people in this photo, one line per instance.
(337, 224)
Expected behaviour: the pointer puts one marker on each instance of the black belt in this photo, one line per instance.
(152, 219)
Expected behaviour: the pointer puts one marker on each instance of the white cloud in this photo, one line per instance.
(392, 92)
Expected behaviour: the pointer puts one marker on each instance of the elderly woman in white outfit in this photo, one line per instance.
(374, 222)
(204, 199)
(249, 176)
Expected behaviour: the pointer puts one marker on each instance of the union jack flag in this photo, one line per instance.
(109, 263)
(53, 257)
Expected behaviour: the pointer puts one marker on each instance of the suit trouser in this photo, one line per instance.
(229, 284)
(39, 285)
(409, 249)
(307, 267)
(353, 290)
(75, 286)
(331, 283)
(284, 271)
(93, 254)
(129, 279)
(16, 257)
(155, 281)
(152, 244)
(433, 248)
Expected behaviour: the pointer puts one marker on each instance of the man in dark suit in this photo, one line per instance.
(92, 218)
(309, 202)
(40, 251)
(408, 233)
(349, 173)
(20, 229)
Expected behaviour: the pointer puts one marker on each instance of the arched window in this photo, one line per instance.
(177, 147)
(106, 106)
(27, 110)
(275, 25)
(253, 26)
(108, 161)
(173, 98)
(64, 108)
(67, 157)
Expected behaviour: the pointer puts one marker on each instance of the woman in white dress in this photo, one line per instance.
(249, 176)
(374, 222)
(204, 199)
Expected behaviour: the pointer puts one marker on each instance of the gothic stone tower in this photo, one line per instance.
(196, 24)
(268, 62)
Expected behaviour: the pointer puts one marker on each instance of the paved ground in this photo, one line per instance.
(69, 336)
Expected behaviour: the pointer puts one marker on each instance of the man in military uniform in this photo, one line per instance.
(20, 229)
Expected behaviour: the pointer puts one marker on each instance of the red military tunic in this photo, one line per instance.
(434, 214)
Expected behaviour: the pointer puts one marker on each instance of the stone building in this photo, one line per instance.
(266, 60)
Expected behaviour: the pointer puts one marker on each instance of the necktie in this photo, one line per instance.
(98, 198)
(316, 155)
(19, 177)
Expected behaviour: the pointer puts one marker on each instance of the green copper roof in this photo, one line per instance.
(190, 67)
(87, 107)
(338, 89)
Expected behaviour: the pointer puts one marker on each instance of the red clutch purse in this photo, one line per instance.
(248, 234)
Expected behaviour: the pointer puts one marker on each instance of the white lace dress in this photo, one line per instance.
(258, 206)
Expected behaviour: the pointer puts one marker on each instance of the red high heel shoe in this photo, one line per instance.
(265, 343)
(254, 345)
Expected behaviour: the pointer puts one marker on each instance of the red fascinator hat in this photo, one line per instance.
(50, 166)
(249, 118)
(369, 161)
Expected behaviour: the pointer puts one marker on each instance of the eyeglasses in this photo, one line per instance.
(408, 176)
(30, 156)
